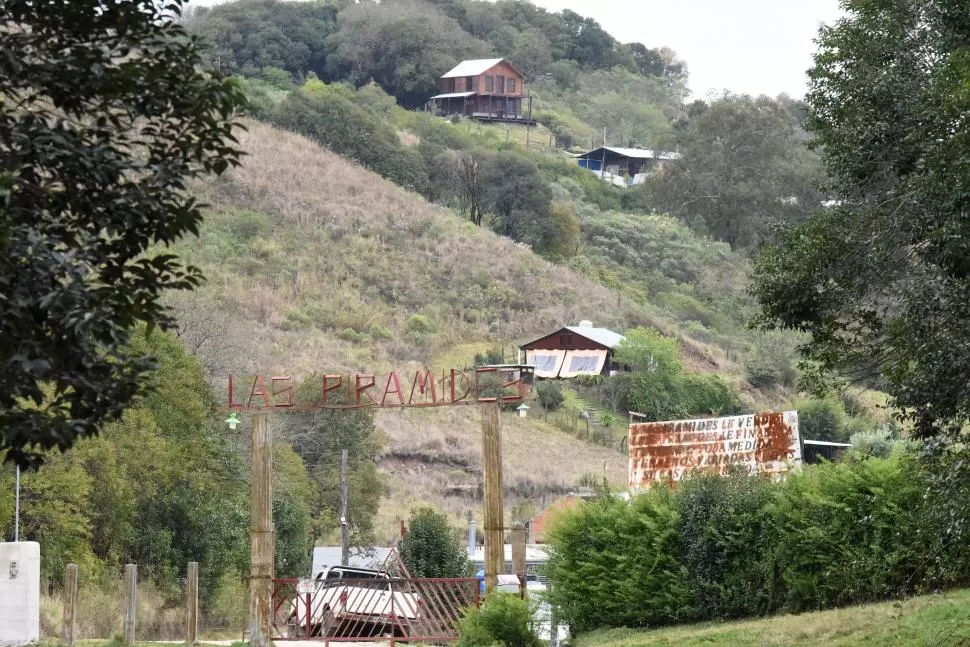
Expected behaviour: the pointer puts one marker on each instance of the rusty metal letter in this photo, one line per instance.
(327, 387)
(288, 391)
(422, 381)
(261, 383)
(363, 388)
(392, 379)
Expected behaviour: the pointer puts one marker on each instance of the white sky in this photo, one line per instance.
(745, 46)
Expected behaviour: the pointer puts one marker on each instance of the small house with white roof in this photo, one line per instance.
(572, 351)
(488, 89)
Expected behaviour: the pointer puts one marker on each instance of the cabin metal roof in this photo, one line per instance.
(602, 336)
(637, 153)
(473, 67)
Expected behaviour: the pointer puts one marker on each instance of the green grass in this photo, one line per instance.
(942, 619)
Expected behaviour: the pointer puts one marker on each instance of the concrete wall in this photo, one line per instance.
(19, 593)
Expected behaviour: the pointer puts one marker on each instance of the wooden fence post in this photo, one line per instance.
(192, 604)
(70, 603)
(518, 555)
(262, 545)
(492, 474)
(131, 594)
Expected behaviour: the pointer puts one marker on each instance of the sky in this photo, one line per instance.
(745, 46)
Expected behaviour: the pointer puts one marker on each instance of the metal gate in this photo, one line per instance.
(411, 609)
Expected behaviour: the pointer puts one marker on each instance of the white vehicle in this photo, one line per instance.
(352, 602)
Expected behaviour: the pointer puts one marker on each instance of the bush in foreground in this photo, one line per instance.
(739, 546)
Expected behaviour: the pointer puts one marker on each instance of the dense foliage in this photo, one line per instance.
(160, 487)
(880, 280)
(744, 169)
(657, 385)
(729, 547)
(503, 619)
(104, 119)
(431, 547)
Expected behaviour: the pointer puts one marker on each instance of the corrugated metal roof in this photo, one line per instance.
(473, 67)
(453, 95)
(639, 153)
(603, 336)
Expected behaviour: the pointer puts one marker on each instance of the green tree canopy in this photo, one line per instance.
(431, 547)
(743, 169)
(250, 35)
(881, 281)
(104, 119)
(403, 46)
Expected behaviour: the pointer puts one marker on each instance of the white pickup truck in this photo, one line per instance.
(352, 602)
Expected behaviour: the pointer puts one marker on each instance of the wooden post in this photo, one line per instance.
(344, 524)
(553, 626)
(192, 604)
(261, 534)
(518, 555)
(492, 471)
(70, 603)
(131, 594)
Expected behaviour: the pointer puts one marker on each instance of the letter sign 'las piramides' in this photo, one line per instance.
(507, 383)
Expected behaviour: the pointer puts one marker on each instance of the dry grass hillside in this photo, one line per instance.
(330, 266)
(315, 264)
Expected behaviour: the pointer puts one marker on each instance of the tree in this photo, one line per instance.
(403, 46)
(106, 116)
(250, 35)
(658, 62)
(743, 170)
(469, 187)
(516, 197)
(318, 437)
(432, 548)
(531, 53)
(588, 43)
(880, 282)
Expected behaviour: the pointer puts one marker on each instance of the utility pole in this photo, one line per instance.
(261, 534)
(344, 525)
(492, 472)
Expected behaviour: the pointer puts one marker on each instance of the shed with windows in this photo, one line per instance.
(572, 351)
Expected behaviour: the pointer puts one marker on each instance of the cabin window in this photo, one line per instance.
(500, 85)
(449, 85)
(489, 80)
(470, 84)
(510, 86)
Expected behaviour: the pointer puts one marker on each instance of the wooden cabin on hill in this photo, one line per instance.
(488, 89)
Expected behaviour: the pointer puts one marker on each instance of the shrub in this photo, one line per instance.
(550, 395)
(727, 543)
(706, 394)
(420, 324)
(619, 565)
(431, 547)
(721, 547)
(823, 419)
(503, 619)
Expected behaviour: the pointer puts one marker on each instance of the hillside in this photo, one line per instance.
(316, 264)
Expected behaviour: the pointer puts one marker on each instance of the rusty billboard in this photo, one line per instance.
(667, 452)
